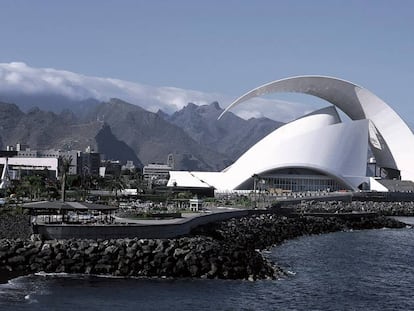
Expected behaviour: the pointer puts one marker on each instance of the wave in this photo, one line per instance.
(29, 299)
(77, 275)
(22, 289)
(60, 274)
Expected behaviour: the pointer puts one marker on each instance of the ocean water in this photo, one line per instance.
(357, 270)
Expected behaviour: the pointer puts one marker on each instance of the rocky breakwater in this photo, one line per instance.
(197, 257)
(266, 230)
(381, 208)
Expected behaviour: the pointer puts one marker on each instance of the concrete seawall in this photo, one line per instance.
(165, 229)
(153, 229)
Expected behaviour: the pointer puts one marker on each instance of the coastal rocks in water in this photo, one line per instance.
(227, 250)
(265, 230)
(381, 208)
(185, 257)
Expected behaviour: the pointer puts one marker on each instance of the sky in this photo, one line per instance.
(220, 47)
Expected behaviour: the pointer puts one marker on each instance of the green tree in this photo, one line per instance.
(116, 183)
(31, 186)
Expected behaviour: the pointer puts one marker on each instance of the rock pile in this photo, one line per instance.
(382, 208)
(263, 231)
(185, 257)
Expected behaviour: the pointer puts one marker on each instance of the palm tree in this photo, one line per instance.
(32, 186)
(36, 186)
(117, 184)
(64, 165)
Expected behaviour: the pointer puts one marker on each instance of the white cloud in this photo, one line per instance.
(271, 108)
(18, 77)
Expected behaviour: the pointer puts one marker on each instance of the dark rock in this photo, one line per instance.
(111, 250)
(179, 252)
(16, 260)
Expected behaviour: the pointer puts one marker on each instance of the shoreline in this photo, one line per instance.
(6, 275)
(225, 250)
(221, 250)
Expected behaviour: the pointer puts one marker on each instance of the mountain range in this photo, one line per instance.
(124, 131)
(47, 108)
(231, 135)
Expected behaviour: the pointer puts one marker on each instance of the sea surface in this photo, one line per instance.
(357, 270)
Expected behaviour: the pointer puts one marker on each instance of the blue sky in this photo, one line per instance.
(226, 47)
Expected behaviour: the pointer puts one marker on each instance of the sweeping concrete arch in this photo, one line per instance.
(391, 140)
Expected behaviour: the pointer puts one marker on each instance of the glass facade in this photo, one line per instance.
(299, 183)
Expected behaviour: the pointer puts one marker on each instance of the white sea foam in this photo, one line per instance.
(77, 275)
(17, 281)
(30, 299)
(42, 273)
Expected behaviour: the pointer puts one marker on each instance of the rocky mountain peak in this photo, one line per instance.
(216, 106)
(231, 135)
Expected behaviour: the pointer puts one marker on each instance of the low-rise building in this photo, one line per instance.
(21, 166)
(129, 166)
(196, 204)
(156, 173)
(89, 162)
(110, 167)
(23, 161)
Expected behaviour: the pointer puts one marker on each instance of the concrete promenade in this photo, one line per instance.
(185, 217)
(131, 228)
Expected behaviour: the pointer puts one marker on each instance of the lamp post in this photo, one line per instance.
(255, 176)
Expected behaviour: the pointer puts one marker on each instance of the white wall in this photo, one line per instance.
(32, 163)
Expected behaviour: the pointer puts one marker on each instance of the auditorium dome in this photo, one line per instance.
(317, 151)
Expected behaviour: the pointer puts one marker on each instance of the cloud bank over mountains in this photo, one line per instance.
(19, 78)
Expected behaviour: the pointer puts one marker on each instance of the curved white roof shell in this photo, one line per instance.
(318, 141)
(391, 140)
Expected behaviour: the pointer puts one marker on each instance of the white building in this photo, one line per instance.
(25, 160)
(196, 204)
(156, 173)
(318, 151)
(17, 165)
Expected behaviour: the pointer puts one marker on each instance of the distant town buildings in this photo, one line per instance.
(19, 166)
(158, 173)
(89, 163)
(129, 166)
(24, 161)
(110, 167)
